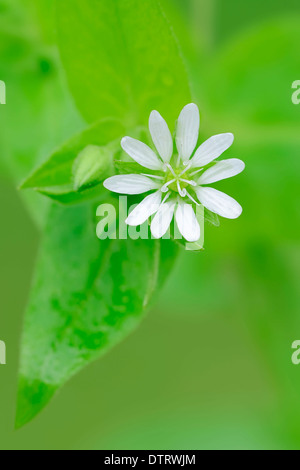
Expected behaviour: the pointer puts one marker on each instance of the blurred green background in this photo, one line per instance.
(210, 367)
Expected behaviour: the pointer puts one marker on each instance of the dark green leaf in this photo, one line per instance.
(88, 294)
(67, 196)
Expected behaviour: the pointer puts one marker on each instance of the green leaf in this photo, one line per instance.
(92, 165)
(55, 176)
(67, 196)
(88, 294)
(121, 59)
(57, 170)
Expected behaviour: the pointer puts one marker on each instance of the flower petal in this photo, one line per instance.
(130, 184)
(219, 203)
(145, 209)
(222, 170)
(187, 131)
(212, 149)
(187, 222)
(141, 153)
(162, 219)
(161, 136)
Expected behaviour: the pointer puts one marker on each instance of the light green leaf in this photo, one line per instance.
(55, 176)
(93, 165)
(57, 170)
(88, 294)
(121, 59)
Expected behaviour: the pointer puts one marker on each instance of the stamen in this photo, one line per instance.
(165, 187)
(182, 173)
(182, 192)
(191, 182)
(188, 165)
(171, 169)
(166, 197)
(192, 199)
(154, 176)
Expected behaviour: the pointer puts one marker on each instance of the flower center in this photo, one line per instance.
(177, 180)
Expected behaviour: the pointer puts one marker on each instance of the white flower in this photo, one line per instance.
(179, 178)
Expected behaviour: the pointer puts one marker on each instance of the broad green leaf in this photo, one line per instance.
(55, 176)
(121, 59)
(88, 294)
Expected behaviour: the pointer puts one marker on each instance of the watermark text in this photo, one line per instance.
(112, 223)
(296, 93)
(2, 353)
(2, 92)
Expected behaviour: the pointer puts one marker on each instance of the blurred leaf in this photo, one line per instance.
(250, 80)
(39, 114)
(122, 59)
(88, 295)
(232, 16)
(45, 10)
(38, 109)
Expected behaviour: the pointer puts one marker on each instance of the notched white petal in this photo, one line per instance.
(212, 149)
(219, 203)
(161, 136)
(222, 170)
(187, 131)
(145, 209)
(162, 220)
(187, 222)
(130, 184)
(141, 153)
